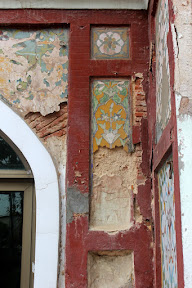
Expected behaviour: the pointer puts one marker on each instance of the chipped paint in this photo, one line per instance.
(34, 68)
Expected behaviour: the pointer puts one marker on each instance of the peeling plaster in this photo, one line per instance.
(47, 196)
(34, 69)
(114, 182)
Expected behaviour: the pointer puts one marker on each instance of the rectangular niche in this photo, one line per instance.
(110, 43)
(114, 169)
(114, 269)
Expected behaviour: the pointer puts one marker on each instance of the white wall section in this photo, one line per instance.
(75, 4)
(47, 195)
(182, 40)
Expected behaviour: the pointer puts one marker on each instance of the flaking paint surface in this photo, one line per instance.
(34, 68)
(114, 181)
(167, 220)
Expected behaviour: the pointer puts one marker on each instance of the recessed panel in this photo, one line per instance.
(114, 269)
(110, 43)
(111, 114)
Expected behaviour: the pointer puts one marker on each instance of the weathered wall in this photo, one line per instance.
(122, 142)
(108, 195)
(34, 82)
(163, 143)
(34, 68)
(111, 128)
(182, 31)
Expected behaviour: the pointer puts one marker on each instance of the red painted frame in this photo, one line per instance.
(167, 143)
(79, 239)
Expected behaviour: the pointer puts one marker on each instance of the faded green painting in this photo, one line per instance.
(34, 66)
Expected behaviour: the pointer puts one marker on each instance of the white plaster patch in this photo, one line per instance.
(47, 196)
(184, 131)
(75, 4)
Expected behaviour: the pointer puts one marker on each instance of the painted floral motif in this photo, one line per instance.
(168, 233)
(163, 92)
(110, 43)
(111, 114)
(34, 66)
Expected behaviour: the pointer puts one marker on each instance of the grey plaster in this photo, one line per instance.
(77, 203)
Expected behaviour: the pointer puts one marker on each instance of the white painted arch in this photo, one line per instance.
(47, 195)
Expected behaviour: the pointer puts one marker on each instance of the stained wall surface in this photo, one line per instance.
(112, 183)
(114, 177)
(163, 143)
(34, 83)
(34, 68)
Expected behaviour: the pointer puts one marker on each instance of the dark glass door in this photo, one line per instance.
(11, 225)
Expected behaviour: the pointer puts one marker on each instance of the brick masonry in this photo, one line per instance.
(54, 124)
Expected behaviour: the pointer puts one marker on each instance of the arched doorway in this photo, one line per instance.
(47, 195)
(17, 217)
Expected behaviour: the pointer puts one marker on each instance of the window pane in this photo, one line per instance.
(11, 222)
(8, 157)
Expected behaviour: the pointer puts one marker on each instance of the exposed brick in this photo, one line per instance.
(54, 124)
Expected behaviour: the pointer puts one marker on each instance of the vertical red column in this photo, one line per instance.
(80, 240)
(78, 155)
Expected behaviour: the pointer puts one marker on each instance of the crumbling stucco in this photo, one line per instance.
(34, 68)
(114, 182)
(114, 269)
(53, 124)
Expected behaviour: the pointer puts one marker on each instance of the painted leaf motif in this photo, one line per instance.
(117, 99)
(104, 99)
(113, 110)
(98, 141)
